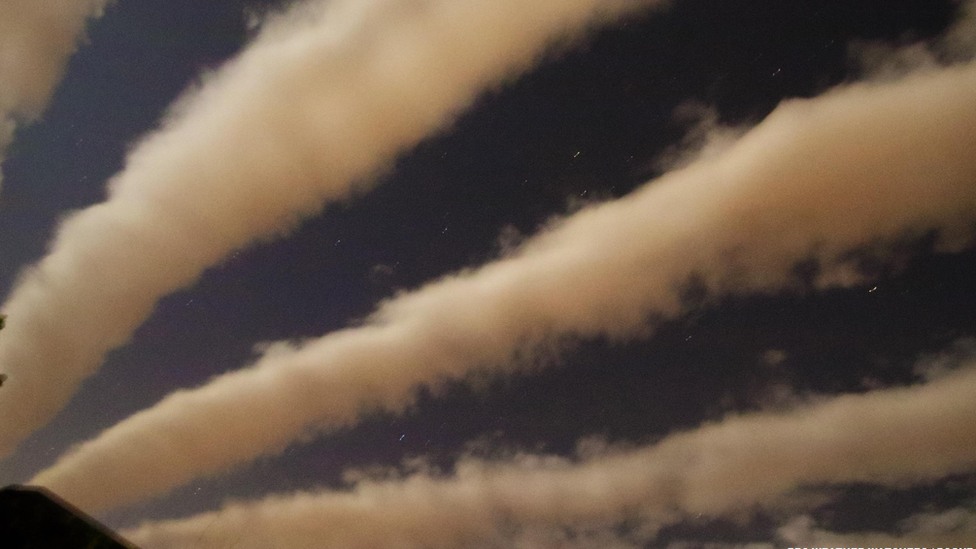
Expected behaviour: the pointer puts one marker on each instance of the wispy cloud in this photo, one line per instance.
(882, 60)
(952, 528)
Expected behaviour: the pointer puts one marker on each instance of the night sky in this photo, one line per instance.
(590, 124)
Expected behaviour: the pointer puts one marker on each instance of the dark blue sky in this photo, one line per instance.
(511, 162)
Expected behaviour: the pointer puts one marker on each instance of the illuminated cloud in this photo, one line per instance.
(888, 437)
(953, 528)
(860, 167)
(327, 95)
(37, 37)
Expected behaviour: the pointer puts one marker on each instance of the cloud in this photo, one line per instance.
(888, 436)
(952, 528)
(704, 138)
(859, 167)
(719, 545)
(882, 60)
(774, 357)
(37, 37)
(326, 96)
(960, 354)
(960, 42)
(954, 520)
